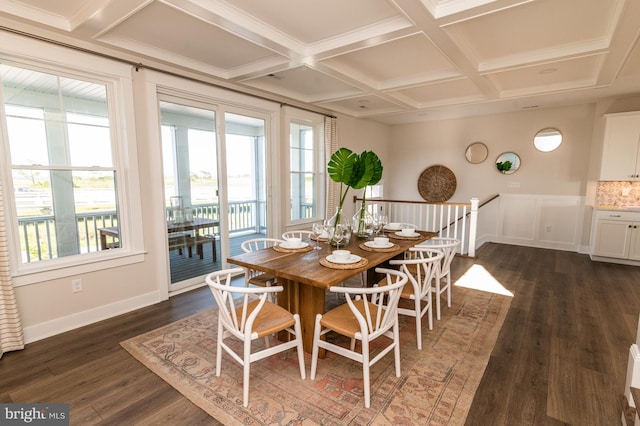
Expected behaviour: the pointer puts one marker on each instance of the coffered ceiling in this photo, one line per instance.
(394, 61)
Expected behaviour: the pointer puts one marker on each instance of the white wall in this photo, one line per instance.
(561, 172)
(364, 135)
(540, 181)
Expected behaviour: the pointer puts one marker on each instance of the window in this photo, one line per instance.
(63, 171)
(306, 171)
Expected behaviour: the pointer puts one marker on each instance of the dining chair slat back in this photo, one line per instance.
(370, 313)
(256, 277)
(448, 246)
(246, 314)
(302, 234)
(421, 270)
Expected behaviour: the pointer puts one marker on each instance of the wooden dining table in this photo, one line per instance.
(305, 279)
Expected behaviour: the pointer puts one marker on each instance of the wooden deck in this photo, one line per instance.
(184, 267)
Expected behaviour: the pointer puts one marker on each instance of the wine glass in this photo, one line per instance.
(318, 229)
(377, 225)
(384, 220)
(339, 234)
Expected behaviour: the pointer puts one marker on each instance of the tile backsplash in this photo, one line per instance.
(618, 194)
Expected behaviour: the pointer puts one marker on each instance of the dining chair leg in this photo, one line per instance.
(437, 292)
(219, 348)
(365, 373)
(245, 372)
(396, 349)
(418, 323)
(430, 307)
(314, 351)
(299, 347)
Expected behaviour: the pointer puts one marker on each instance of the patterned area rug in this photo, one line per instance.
(436, 387)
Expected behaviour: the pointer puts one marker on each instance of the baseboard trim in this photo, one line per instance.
(628, 413)
(80, 319)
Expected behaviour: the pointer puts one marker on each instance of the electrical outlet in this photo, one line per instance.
(548, 229)
(76, 285)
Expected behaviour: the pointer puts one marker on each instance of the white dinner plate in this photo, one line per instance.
(373, 244)
(290, 247)
(415, 234)
(351, 259)
(391, 228)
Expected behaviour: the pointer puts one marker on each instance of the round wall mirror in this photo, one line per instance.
(546, 140)
(508, 162)
(476, 153)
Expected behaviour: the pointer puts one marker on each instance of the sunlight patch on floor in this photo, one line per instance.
(478, 278)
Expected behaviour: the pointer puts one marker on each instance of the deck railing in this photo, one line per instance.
(38, 233)
(452, 220)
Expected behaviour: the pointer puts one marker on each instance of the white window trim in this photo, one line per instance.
(317, 122)
(117, 77)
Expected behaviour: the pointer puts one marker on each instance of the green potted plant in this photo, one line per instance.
(351, 170)
(505, 166)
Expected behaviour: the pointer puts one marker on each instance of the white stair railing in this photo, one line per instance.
(452, 220)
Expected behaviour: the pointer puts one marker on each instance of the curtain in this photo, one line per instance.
(331, 146)
(11, 336)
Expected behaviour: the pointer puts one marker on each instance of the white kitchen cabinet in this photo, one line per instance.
(621, 153)
(616, 234)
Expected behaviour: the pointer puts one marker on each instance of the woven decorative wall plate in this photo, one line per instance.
(437, 183)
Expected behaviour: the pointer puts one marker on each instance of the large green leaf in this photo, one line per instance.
(341, 164)
(353, 170)
(367, 170)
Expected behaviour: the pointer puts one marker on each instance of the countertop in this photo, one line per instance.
(619, 208)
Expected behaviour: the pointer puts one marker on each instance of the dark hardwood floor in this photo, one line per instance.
(560, 358)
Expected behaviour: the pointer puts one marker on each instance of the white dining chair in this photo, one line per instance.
(421, 271)
(245, 314)
(370, 313)
(397, 226)
(448, 246)
(302, 234)
(251, 275)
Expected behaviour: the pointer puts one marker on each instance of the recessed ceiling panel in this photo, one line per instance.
(363, 106)
(390, 62)
(304, 83)
(311, 21)
(441, 93)
(535, 27)
(162, 27)
(631, 66)
(65, 9)
(564, 75)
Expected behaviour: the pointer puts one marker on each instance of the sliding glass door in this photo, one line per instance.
(191, 190)
(214, 186)
(246, 180)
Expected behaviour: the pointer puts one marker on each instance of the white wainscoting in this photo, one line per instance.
(545, 221)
